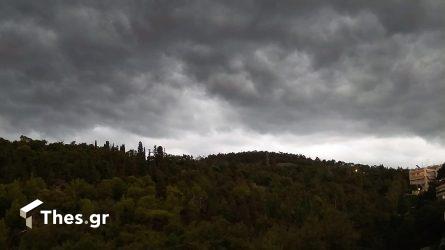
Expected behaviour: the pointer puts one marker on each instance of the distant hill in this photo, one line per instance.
(247, 200)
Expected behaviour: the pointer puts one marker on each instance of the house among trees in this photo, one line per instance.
(423, 177)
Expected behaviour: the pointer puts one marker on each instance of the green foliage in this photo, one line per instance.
(441, 172)
(249, 200)
(3, 235)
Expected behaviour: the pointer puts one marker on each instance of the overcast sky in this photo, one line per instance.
(358, 81)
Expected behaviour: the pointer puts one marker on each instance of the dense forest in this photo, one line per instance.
(249, 200)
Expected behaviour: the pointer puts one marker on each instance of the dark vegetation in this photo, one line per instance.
(250, 200)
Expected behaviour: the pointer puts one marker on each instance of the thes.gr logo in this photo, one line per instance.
(54, 218)
(26, 211)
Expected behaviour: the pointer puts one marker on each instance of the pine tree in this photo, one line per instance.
(141, 151)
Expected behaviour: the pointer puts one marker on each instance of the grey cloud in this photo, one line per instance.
(345, 67)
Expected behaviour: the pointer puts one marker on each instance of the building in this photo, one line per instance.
(422, 177)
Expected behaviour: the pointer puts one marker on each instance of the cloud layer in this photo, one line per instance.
(171, 70)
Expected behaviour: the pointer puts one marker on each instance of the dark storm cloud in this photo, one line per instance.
(153, 67)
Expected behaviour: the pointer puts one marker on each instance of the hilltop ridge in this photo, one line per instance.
(246, 200)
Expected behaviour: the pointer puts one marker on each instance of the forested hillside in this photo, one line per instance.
(249, 200)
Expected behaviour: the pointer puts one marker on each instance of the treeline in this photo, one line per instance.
(58, 161)
(249, 200)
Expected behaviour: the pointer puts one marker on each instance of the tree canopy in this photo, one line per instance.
(248, 200)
